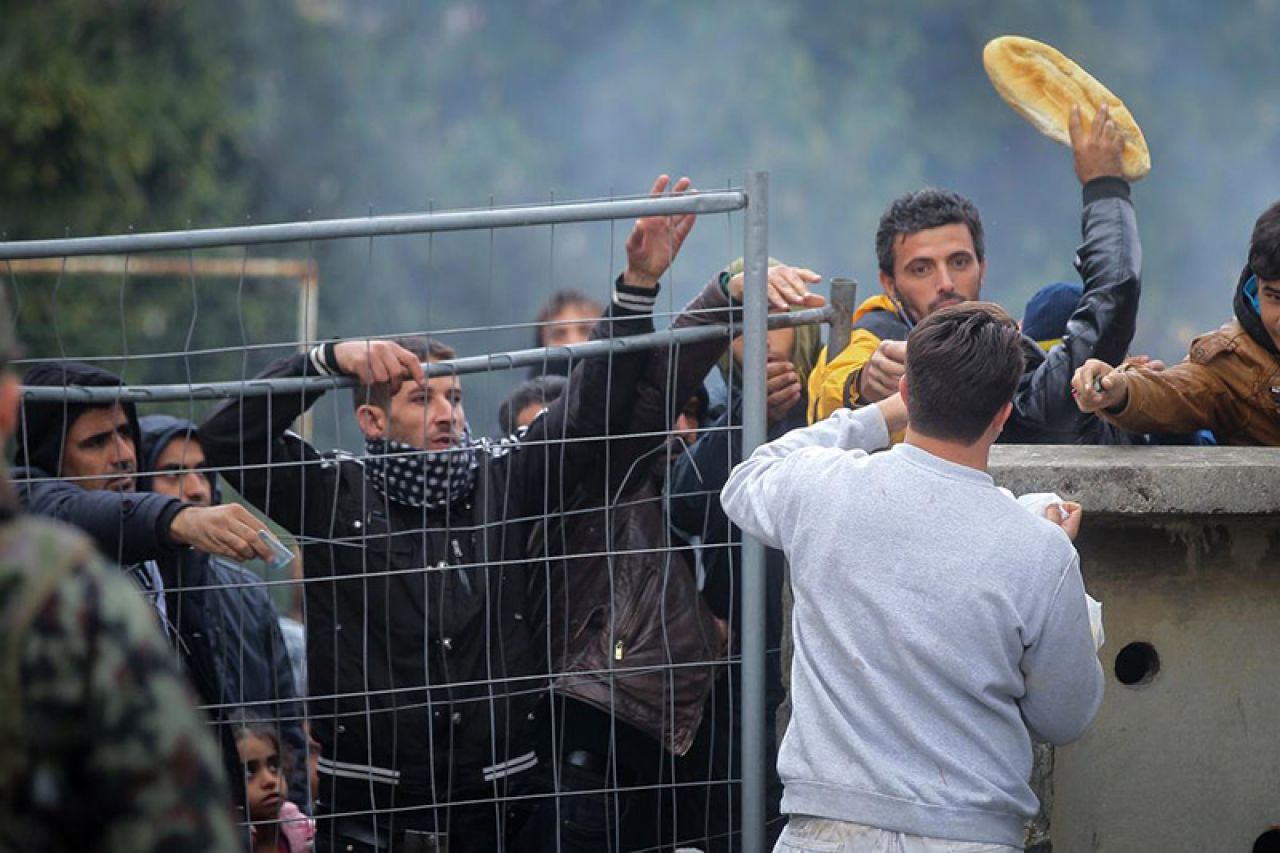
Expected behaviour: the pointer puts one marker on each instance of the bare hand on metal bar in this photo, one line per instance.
(788, 287)
(377, 362)
(655, 241)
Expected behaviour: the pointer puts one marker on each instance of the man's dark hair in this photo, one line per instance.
(963, 363)
(43, 425)
(380, 394)
(920, 211)
(1264, 245)
(559, 301)
(543, 390)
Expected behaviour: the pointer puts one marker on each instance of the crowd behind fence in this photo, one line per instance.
(324, 511)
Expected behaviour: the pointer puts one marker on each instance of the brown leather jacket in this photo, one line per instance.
(629, 633)
(1229, 383)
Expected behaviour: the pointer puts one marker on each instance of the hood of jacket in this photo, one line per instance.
(157, 431)
(1245, 305)
(43, 426)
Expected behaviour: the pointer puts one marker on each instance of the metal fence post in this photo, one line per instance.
(844, 295)
(755, 310)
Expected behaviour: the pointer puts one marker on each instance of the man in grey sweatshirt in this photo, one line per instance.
(938, 626)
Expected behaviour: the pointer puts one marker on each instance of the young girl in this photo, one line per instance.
(276, 824)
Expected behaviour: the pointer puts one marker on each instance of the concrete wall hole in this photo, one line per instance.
(1137, 664)
(1268, 842)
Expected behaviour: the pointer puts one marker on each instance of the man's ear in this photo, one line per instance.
(902, 388)
(997, 423)
(9, 402)
(372, 420)
(886, 283)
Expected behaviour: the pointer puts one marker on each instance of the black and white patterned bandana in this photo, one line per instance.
(422, 478)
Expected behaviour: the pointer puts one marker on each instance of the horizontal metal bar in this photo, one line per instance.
(373, 226)
(449, 367)
(238, 268)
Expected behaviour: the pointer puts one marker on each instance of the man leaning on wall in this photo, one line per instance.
(938, 625)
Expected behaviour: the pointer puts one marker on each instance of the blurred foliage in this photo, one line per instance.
(156, 114)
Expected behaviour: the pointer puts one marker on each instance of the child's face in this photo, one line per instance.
(264, 783)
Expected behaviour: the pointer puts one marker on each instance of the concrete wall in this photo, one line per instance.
(1182, 546)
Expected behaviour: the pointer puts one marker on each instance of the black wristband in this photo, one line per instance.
(1108, 186)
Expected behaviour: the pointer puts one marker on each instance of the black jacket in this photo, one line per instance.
(1109, 261)
(127, 528)
(228, 630)
(424, 673)
(1102, 326)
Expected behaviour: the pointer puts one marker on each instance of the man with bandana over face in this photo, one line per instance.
(424, 675)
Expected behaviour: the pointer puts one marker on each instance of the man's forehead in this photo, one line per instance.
(102, 418)
(944, 240)
(186, 443)
(1272, 285)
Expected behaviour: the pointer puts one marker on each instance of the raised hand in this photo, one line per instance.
(377, 362)
(655, 241)
(1099, 152)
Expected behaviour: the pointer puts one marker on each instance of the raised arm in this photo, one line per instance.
(600, 394)
(131, 527)
(248, 438)
(1109, 261)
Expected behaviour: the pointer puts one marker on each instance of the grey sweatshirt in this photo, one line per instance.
(938, 627)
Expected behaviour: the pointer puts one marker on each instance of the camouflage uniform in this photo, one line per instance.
(103, 749)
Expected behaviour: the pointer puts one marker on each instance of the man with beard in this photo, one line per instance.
(931, 254)
(77, 462)
(425, 676)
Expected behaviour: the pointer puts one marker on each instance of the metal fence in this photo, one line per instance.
(755, 321)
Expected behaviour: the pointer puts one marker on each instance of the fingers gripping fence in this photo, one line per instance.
(428, 734)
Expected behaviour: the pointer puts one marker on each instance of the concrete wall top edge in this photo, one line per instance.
(1143, 480)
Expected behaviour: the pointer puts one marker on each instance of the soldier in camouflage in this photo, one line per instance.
(102, 747)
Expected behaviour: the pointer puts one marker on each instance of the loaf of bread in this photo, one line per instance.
(1041, 84)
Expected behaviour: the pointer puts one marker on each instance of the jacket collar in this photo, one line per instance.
(1248, 315)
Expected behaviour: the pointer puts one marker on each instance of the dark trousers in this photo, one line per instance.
(617, 788)
(714, 807)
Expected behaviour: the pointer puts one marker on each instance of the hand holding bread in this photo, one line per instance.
(1043, 86)
(1099, 151)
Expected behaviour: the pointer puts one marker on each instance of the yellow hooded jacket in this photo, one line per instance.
(835, 385)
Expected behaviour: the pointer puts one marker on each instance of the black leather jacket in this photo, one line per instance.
(423, 672)
(1109, 261)
(626, 622)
